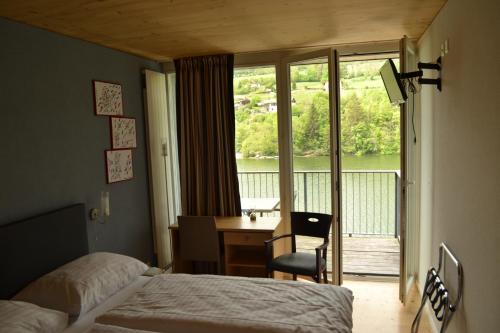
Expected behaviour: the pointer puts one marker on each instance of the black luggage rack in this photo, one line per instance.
(435, 291)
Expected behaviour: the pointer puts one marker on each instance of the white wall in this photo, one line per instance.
(426, 182)
(461, 156)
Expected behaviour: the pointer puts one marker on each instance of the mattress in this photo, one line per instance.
(181, 303)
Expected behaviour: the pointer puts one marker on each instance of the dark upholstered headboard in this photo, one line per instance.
(35, 246)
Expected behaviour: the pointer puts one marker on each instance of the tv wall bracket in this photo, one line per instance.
(421, 66)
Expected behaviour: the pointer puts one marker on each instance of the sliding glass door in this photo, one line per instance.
(287, 120)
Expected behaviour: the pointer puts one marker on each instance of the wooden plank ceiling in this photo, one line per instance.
(165, 29)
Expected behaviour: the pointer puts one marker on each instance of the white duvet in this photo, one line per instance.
(180, 303)
(98, 328)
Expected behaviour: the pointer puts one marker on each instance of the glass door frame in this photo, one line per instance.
(410, 180)
(286, 143)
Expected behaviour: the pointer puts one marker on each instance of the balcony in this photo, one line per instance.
(370, 219)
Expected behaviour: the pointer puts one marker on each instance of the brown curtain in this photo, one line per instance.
(206, 136)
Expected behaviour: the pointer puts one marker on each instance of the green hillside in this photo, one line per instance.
(370, 124)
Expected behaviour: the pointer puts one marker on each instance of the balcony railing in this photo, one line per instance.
(370, 198)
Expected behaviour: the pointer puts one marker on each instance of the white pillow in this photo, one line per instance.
(82, 284)
(22, 317)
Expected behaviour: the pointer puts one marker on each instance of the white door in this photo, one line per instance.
(409, 177)
(314, 191)
(161, 149)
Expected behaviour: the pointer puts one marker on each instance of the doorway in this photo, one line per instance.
(370, 168)
(302, 91)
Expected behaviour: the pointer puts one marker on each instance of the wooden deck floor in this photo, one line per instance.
(362, 255)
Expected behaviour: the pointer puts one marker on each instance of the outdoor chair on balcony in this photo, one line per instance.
(299, 263)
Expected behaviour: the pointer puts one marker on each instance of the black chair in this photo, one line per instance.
(298, 263)
(199, 243)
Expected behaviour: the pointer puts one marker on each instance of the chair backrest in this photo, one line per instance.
(198, 238)
(311, 224)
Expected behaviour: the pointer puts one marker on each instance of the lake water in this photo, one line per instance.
(370, 162)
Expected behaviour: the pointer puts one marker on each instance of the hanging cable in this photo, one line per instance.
(413, 118)
(413, 89)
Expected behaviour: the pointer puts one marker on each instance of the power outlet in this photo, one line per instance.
(445, 47)
(94, 214)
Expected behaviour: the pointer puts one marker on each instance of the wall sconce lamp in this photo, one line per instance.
(102, 214)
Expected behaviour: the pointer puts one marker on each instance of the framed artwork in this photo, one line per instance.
(118, 165)
(107, 98)
(123, 133)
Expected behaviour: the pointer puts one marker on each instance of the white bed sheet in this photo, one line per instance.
(84, 323)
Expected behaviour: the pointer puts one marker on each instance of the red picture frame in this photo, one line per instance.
(119, 165)
(123, 132)
(108, 98)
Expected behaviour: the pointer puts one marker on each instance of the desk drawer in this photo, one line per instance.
(246, 238)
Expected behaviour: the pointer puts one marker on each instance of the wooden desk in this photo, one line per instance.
(242, 245)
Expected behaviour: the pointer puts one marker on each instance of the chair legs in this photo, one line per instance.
(317, 277)
(294, 277)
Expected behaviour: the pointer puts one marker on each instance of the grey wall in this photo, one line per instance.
(461, 156)
(52, 144)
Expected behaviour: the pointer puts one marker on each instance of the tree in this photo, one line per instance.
(353, 135)
(261, 137)
(311, 134)
(369, 123)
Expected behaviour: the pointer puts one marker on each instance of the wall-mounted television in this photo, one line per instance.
(392, 82)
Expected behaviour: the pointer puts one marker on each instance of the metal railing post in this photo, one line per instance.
(397, 213)
(305, 191)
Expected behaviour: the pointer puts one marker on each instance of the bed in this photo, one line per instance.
(170, 303)
(184, 303)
